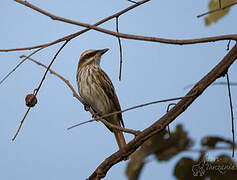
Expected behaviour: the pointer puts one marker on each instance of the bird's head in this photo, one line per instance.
(91, 56)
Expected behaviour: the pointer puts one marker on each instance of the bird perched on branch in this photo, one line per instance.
(97, 90)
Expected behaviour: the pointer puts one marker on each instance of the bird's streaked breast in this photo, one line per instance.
(90, 89)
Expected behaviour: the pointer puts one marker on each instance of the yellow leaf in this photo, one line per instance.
(213, 5)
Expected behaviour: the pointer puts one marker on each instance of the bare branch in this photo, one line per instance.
(122, 35)
(110, 125)
(219, 3)
(18, 65)
(22, 121)
(168, 108)
(131, 36)
(132, 1)
(130, 131)
(51, 63)
(120, 49)
(213, 84)
(228, 45)
(232, 114)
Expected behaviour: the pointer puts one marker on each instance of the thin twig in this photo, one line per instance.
(120, 49)
(126, 130)
(43, 78)
(8, 74)
(134, 107)
(228, 45)
(167, 110)
(85, 122)
(112, 126)
(215, 10)
(232, 114)
(213, 84)
(132, 1)
(219, 3)
(19, 65)
(38, 88)
(22, 121)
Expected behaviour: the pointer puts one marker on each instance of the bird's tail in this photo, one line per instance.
(120, 138)
(118, 134)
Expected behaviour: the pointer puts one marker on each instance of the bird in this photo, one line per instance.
(98, 92)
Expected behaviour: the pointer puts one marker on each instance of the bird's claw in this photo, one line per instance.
(94, 115)
(86, 107)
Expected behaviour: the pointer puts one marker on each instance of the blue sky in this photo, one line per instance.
(152, 71)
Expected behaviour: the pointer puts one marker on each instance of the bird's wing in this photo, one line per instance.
(109, 90)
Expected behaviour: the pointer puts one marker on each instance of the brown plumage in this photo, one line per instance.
(97, 90)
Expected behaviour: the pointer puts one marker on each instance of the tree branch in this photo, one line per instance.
(218, 71)
(120, 49)
(131, 36)
(130, 131)
(231, 113)
(132, 1)
(19, 64)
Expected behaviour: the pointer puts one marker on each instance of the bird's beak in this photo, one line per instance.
(102, 51)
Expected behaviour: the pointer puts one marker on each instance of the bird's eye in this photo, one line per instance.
(87, 55)
(90, 54)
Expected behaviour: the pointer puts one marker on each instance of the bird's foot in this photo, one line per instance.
(95, 115)
(86, 107)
